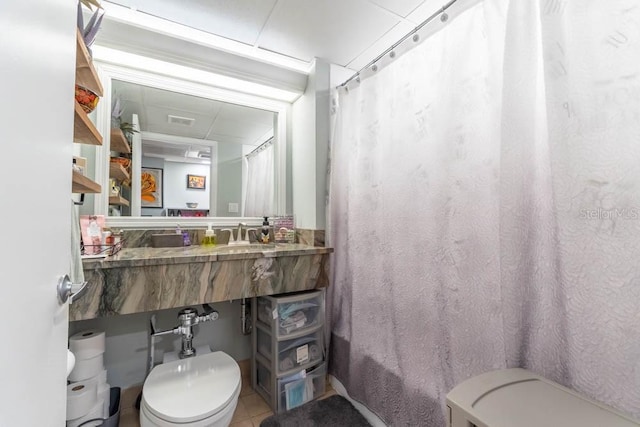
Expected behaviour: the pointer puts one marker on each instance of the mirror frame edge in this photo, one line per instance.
(108, 72)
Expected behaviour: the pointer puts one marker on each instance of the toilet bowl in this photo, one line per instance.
(199, 391)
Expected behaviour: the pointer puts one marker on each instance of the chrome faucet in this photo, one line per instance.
(239, 240)
(239, 235)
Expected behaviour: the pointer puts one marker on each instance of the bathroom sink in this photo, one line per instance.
(166, 240)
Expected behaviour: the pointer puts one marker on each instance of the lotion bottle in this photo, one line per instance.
(264, 238)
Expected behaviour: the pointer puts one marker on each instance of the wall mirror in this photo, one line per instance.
(202, 154)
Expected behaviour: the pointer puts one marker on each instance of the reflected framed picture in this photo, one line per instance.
(197, 182)
(151, 188)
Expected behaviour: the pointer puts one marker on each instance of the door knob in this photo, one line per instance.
(70, 291)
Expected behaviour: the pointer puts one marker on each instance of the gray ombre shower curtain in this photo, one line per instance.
(485, 209)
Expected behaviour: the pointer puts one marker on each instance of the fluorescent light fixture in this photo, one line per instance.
(118, 57)
(142, 20)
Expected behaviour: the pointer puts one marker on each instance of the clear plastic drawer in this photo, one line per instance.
(297, 389)
(292, 315)
(293, 353)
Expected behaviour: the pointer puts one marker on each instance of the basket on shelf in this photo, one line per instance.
(87, 99)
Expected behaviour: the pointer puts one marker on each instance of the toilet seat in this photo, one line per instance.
(191, 390)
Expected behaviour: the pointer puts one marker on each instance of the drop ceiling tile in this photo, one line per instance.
(247, 114)
(241, 129)
(157, 119)
(382, 44)
(399, 7)
(334, 30)
(425, 10)
(239, 20)
(238, 124)
(178, 101)
(127, 91)
(226, 138)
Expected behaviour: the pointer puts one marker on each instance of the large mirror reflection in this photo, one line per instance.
(189, 156)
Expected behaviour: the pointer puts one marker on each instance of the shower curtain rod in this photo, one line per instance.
(396, 44)
(260, 147)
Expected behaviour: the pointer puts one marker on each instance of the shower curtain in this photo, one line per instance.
(259, 195)
(485, 209)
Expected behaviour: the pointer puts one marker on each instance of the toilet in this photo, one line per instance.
(200, 391)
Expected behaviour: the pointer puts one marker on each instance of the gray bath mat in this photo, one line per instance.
(334, 411)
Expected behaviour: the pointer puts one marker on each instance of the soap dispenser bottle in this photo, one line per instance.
(209, 237)
(264, 238)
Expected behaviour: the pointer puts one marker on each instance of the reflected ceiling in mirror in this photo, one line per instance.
(171, 113)
(185, 134)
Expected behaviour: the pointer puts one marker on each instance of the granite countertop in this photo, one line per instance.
(145, 256)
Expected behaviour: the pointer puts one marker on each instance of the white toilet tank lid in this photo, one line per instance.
(517, 397)
(191, 389)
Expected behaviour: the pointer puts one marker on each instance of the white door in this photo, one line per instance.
(37, 66)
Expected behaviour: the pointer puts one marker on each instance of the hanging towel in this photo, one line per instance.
(76, 274)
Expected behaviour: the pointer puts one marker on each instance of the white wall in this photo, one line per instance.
(127, 339)
(303, 156)
(322, 141)
(176, 193)
(339, 75)
(310, 146)
(229, 178)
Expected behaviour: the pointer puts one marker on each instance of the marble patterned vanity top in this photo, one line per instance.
(146, 279)
(146, 256)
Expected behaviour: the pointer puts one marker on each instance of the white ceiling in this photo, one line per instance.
(213, 120)
(345, 32)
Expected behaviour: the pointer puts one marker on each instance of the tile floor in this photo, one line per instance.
(250, 412)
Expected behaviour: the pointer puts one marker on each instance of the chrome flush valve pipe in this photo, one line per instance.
(188, 318)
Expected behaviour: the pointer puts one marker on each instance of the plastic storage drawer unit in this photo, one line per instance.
(288, 361)
(517, 397)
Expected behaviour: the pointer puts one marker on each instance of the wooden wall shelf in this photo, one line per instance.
(84, 131)
(119, 142)
(118, 200)
(86, 74)
(82, 184)
(118, 172)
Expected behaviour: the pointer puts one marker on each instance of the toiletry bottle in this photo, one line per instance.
(265, 230)
(186, 240)
(209, 237)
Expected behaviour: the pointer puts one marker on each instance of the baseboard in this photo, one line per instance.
(373, 419)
